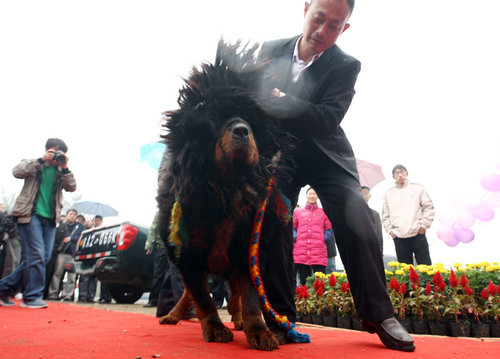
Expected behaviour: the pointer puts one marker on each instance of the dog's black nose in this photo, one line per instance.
(240, 130)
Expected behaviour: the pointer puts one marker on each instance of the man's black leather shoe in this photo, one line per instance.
(149, 305)
(391, 333)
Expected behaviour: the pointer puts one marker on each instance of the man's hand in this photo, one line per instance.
(422, 231)
(66, 239)
(392, 235)
(48, 155)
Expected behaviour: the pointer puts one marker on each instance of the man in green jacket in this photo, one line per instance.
(37, 208)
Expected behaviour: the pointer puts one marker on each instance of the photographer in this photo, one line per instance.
(37, 208)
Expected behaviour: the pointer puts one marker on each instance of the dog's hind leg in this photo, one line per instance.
(206, 310)
(258, 334)
(234, 306)
(180, 309)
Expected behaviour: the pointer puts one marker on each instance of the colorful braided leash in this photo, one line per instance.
(253, 256)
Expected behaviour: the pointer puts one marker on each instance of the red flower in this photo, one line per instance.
(437, 278)
(344, 287)
(485, 294)
(428, 289)
(402, 288)
(442, 286)
(453, 279)
(316, 284)
(394, 284)
(319, 291)
(332, 281)
(463, 280)
(414, 277)
(468, 290)
(492, 288)
(298, 290)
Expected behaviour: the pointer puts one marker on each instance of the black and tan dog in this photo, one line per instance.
(220, 146)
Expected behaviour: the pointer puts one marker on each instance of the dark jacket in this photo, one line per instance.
(69, 230)
(316, 104)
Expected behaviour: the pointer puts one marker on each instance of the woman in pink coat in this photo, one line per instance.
(311, 230)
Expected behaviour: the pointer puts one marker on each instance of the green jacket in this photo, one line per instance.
(31, 171)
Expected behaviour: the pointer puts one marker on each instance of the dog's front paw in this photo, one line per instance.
(218, 334)
(263, 340)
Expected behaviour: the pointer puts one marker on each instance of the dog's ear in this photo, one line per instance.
(199, 128)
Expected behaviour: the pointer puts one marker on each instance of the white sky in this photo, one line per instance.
(98, 74)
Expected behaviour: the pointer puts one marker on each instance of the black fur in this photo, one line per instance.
(220, 195)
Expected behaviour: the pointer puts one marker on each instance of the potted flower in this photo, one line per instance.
(319, 301)
(399, 302)
(438, 305)
(330, 313)
(457, 311)
(344, 320)
(417, 301)
(303, 304)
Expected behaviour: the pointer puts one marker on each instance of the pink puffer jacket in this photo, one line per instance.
(310, 223)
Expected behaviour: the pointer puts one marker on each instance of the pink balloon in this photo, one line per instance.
(465, 219)
(492, 199)
(445, 233)
(446, 219)
(491, 182)
(452, 242)
(482, 212)
(464, 235)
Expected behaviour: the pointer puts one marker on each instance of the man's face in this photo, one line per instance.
(324, 21)
(312, 197)
(97, 222)
(71, 217)
(366, 194)
(400, 175)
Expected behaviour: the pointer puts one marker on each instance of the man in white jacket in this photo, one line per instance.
(407, 213)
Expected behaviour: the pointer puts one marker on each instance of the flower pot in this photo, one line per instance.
(438, 328)
(356, 323)
(406, 323)
(306, 318)
(480, 330)
(419, 326)
(329, 321)
(344, 322)
(495, 330)
(460, 328)
(317, 319)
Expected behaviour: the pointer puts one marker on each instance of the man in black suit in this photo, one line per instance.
(309, 85)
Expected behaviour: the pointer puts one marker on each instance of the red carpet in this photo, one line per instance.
(73, 332)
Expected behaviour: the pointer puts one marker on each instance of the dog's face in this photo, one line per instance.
(236, 145)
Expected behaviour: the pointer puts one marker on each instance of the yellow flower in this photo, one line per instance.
(336, 274)
(431, 272)
(495, 263)
(457, 265)
(490, 269)
(400, 272)
(388, 272)
(423, 268)
(439, 265)
(393, 264)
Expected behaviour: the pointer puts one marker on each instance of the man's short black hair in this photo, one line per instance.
(97, 216)
(349, 2)
(51, 142)
(399, 167)
(365, 187)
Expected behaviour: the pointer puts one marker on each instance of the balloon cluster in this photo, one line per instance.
(456, 228)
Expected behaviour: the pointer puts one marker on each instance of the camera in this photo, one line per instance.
(59, 157)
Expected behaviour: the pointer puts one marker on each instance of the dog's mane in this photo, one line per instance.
(210, 95)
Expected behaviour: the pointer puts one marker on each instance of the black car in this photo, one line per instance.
(115, 254)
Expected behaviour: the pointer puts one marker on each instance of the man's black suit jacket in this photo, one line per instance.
(318, 101)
